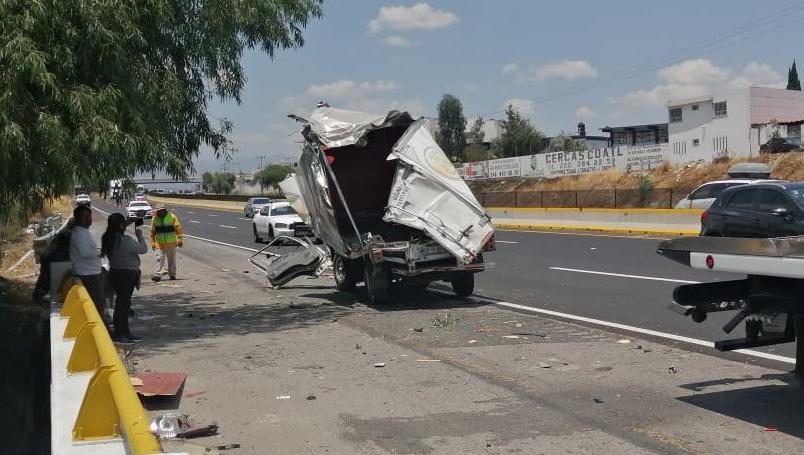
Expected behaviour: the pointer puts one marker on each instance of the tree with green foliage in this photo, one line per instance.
(518, 136)
(565, 143)
(207, 178)
(272, 174)
(451, 127)
(223, 183)
(91, 90)
(792, 78)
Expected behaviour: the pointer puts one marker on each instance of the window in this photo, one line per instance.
(771, 200)
(260, 201)
(645, 137)
(694, 107)
(283, 210)
(711, 190)
(720, 109)
(743, 199)
(265, 210)
(696, 142)
(675, 115)
(621, 137)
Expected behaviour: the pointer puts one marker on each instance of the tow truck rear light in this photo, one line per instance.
(704, 216)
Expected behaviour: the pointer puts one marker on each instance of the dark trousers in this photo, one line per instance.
(123, 282)
(96, 288)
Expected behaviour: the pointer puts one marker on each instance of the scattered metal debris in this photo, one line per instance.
(379, 365)
(672, 369)
(311, 397)
(283, 397)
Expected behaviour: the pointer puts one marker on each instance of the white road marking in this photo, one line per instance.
(506, 241)
(227, 227)
(630, 328)
(572, 317)
(622, 275)
(190, 212)
(212, 214)
(246, 219)
(194, 221)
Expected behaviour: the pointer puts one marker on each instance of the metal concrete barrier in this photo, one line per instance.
(94, 407)
(644, 221)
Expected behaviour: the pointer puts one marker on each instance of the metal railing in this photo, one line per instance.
(614, 198)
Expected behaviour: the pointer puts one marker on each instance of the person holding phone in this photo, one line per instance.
(123, 253)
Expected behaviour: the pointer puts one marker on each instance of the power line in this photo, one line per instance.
(715, 42)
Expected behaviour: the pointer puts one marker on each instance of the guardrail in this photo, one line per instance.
(92, 399)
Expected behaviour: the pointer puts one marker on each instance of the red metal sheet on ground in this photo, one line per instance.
(159, 384)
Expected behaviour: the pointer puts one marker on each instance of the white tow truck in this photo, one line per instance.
(770, 299)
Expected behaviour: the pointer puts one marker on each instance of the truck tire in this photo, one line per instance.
(463, 283)
(378, 283)
(346, 272)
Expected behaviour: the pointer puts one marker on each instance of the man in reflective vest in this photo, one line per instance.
(166, 235)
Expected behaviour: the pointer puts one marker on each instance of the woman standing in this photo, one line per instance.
(124, 270)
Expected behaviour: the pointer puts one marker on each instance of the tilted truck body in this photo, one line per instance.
(387, 203)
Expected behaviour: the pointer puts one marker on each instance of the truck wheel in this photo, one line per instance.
(257, 238)
(378, 282)
(346, 272)
(463, 283)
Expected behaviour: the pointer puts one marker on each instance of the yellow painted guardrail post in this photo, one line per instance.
(110, 408)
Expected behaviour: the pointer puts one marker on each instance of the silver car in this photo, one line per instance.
(254, 205)
(703, 196)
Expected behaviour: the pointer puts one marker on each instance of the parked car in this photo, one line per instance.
(274, 219)
(139, 209)
(760, 210)
(83, 199)
(778, 145)
(739, 174)
(254, 205)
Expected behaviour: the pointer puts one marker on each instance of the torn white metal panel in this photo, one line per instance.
(290, 188)
(339, 127)
(429, 195)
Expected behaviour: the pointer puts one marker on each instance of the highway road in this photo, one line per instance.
(611, 279)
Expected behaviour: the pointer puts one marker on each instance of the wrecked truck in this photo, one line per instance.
(384, 205)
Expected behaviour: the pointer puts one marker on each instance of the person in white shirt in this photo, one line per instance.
(86, 259)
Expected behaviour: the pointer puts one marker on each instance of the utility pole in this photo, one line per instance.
(261, 157)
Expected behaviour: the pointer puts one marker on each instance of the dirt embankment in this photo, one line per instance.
(788, 166)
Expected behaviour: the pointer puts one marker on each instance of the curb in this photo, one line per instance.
(592, 228)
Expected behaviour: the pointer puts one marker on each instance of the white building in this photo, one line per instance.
(734, 123)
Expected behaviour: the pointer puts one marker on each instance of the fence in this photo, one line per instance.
(614, 198)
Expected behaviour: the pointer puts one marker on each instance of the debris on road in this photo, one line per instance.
(531, 334)
(543, 365)
(283, 397)
(672, 369)
(625, 341)
(379, 365)
(193, 393)
(472, 341)
(357, 345)
(598, 400)
(418, 329)
(311, 397)
(223, 447)
(159, 384)
(511, 337)
(448, 320)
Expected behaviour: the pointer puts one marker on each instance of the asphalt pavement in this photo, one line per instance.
(612, 279)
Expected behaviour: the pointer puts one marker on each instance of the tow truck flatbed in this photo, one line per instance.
(770, 299)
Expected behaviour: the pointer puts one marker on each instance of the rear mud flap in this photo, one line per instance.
(287, 258)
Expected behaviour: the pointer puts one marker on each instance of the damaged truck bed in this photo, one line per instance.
(388, 205)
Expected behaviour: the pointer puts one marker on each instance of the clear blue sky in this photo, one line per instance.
(377, 56)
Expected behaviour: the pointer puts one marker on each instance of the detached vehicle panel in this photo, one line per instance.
(388, 204)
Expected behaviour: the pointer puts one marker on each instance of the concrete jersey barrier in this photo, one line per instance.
(647, 221)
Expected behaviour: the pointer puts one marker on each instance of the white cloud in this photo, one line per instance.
(345, 89)
(697, 77)
(585, 113)
(522, 105)
(397, 41)
(693, 72)
(509, 69)
(565, 69)
(420, 16)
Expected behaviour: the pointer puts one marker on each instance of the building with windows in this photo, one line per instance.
(734, 123)
(651, 134)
